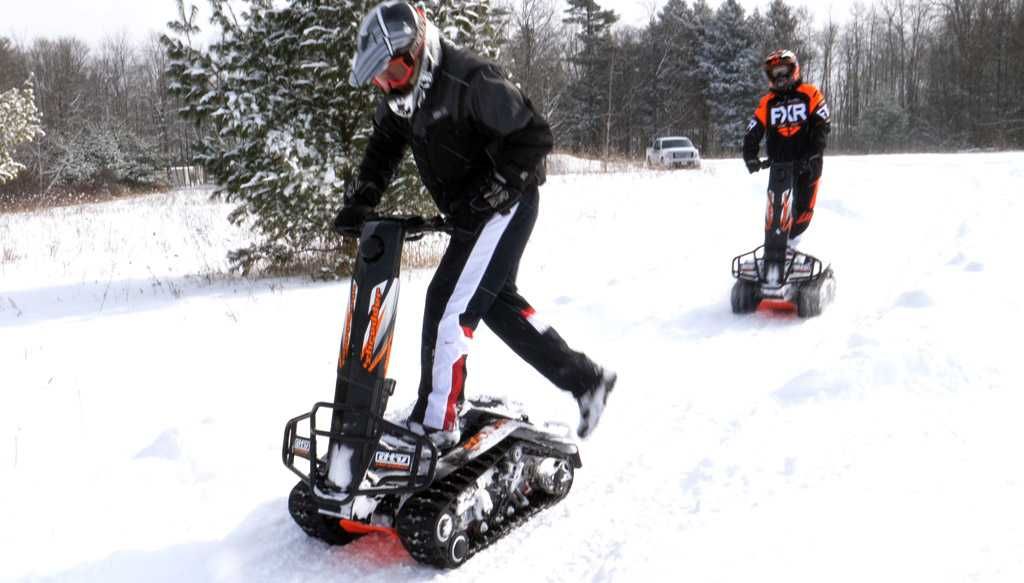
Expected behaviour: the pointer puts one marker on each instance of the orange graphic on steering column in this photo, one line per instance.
(345, 340)
(787, 215)
(368, 361)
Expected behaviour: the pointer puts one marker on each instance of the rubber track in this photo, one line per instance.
(303, 509)
(416, 520)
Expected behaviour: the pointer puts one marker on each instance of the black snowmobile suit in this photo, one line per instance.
(472, 124)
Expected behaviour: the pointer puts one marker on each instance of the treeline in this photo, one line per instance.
(900, 75)
(110, 123)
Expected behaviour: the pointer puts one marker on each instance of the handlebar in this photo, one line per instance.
(798, 165)
(415, 226)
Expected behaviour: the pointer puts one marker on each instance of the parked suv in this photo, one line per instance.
(673, 152)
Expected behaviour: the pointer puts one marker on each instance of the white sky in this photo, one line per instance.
(637, 12)
(90, 20)
(93, 20)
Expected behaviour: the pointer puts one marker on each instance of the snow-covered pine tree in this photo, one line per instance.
(729, 61)
(780, 28)
(590, 60)
(284, 130)
(19, 124)
(467, 23)
(682, 83)
(785, 27)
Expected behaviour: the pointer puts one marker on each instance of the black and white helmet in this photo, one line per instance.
(399, 50)
(390, 30)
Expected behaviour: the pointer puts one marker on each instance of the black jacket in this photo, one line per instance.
(472, 123)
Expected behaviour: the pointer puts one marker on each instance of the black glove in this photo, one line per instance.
(491, 194)
(362, 192)
(351, 218)
(753, 165)
(360, 199)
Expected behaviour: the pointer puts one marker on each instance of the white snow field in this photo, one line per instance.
(142, 401)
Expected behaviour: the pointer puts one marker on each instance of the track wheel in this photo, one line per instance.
(458, 549)
(554, 476)
(813, 297)
(744, 297)
(808, 304)
(447, 536)
(303, 509)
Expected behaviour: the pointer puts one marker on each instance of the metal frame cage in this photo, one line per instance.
(757, 259)
(305, 446)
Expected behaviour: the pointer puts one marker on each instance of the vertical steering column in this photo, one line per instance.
(779, 216)
(361, 390)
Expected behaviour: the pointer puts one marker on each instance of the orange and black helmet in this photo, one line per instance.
(782, 69)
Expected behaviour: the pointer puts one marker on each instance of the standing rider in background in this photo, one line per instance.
(796, 118)
(479, 147)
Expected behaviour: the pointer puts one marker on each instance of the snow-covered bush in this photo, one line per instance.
(883, 126)
(19, 124)
(285, 132)
(100, 155)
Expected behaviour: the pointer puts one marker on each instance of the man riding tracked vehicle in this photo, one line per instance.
(479, 146)
(795, 118)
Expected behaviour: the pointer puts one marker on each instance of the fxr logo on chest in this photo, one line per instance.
(786, 114)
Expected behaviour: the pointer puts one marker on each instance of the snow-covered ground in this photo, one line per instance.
(142, 399)
(564, 164)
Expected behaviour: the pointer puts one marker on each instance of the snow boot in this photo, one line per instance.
(592, 403)
(442, 440)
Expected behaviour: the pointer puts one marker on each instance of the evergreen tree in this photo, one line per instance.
(19, 124)
(11, 70)
(884, 126)
(730, 63)
(285, 131)
(682, 83)
(780, 31)
(591, 76)
(632, 95)
(467, 23)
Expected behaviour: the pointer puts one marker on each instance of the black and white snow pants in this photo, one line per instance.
(476, 281)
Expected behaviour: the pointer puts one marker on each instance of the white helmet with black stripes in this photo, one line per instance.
(398, 50)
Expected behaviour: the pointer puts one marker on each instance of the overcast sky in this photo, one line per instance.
(93, 20)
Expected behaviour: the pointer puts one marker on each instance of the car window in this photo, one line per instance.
(679, 143)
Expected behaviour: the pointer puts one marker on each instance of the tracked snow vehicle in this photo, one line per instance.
(775, 274)
(361, 473)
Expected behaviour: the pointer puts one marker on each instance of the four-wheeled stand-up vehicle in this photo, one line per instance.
(774, 272)
(362, 474)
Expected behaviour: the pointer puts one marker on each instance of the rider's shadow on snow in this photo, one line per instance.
(716, 319)
(266, 546)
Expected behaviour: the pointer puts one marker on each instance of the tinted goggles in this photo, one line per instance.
(397, 75)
